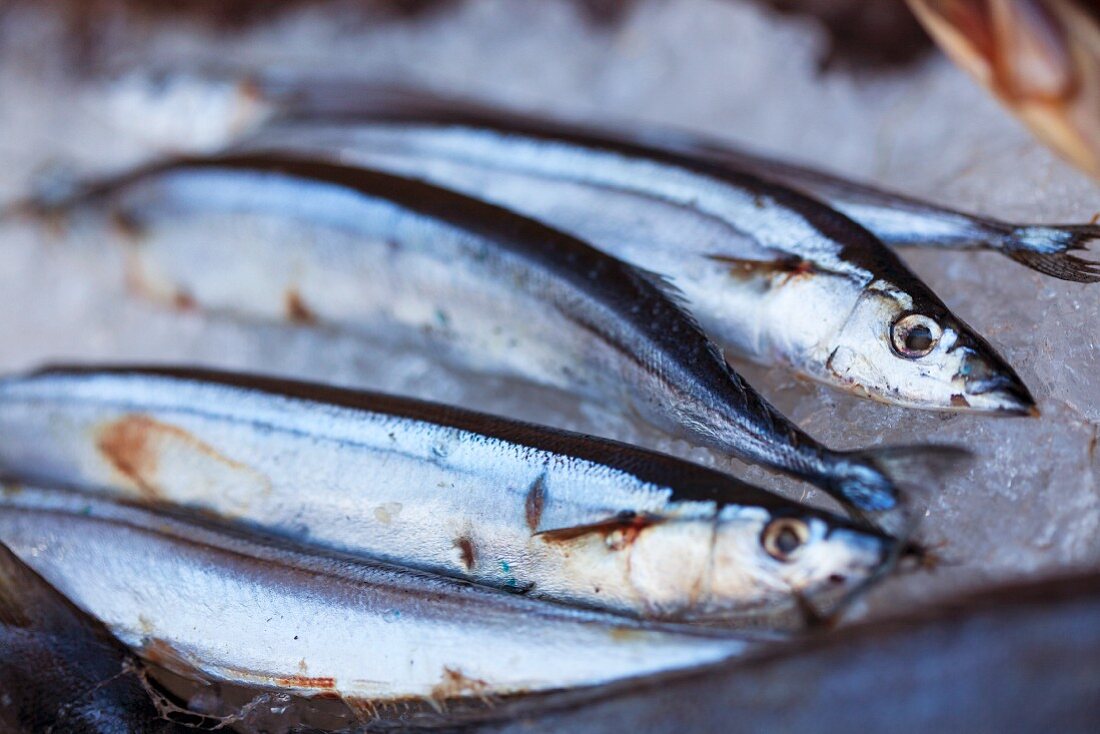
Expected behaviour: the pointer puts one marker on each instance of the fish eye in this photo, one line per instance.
(915, 336)
(783, 537)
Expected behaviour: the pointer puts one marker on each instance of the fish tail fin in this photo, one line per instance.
(869, 480)
(1046, 248)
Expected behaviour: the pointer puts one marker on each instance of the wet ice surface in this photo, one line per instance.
(1026, 506)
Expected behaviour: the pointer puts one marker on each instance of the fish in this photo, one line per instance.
(1038, 636)
(771, 274)
(905, 221)
(216, 602)
(291, 239)
(61, 670)
(541, 512)
(1039, 58)
(237, 105)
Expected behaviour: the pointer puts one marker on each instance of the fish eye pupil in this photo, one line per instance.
(919, 339)
(787, 540)
(783, 537)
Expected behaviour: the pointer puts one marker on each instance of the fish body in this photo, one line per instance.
(61, 670)
(905, 221)
(288, 238)
(554, 515)
(208, 600)
(236, 106)
(771, 274)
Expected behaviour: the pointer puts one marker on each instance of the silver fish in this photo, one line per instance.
(227, 605)
(61, 670)
(280, 237)
(904, 221)
(771, 274)
(555, 515)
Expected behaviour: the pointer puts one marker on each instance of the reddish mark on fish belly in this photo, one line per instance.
(302, 681)
(134, 445)
(466, 548)
(161, 653)
(536, 500)
(455, 684)
(138, 283)
(296, 309)
(958, 401)
(129, 444)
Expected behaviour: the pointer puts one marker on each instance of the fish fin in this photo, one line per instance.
(746, 267)
(629, 522)
(673, 293)
(869, 479)
(1046, 248)
(754, 401)
(669, 289)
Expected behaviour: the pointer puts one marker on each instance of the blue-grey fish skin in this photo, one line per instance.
(520, 297)
(560, 516)
(224, 602)
(905, 221)
(772, 274)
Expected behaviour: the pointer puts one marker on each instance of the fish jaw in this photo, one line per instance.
(959, 371)
(994, 389)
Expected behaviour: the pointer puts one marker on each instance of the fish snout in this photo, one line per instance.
(994, 387)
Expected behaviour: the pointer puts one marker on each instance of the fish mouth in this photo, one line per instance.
(992, 386)
(1000, 394)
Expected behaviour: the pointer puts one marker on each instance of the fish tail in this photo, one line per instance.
(869, 480)
(1046, 248)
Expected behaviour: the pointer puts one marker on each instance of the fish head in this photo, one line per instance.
(736, 566)
(904, 346)
(775, 563)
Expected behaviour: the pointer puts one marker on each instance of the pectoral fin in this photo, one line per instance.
(748, 269)
(626, 524)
